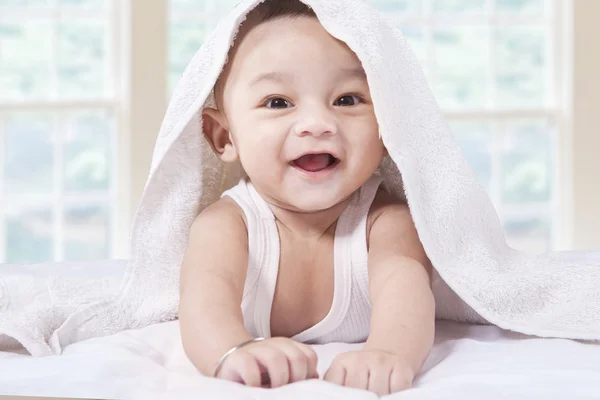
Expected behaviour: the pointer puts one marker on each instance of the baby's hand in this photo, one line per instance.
(271, 363)
(375, 370)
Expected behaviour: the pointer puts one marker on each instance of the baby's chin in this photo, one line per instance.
(313, 204)
(304, 198)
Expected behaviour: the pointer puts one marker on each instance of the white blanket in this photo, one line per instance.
(467, 362)
(480, 277)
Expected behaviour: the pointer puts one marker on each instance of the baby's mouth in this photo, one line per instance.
(315, 162)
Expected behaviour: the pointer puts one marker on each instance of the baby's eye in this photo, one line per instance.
(348, 100)
(278, 102)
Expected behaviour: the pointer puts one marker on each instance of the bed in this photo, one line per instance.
(467, 362)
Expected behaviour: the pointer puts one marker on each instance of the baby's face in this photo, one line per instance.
(297, 104)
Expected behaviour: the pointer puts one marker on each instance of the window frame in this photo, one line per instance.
(580, 90)
(142, 31)
(60, 107)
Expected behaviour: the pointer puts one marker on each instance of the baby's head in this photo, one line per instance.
(294, 108)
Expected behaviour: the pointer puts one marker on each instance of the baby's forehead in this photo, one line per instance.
(264, 32)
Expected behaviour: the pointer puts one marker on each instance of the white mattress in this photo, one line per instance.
(467, 362)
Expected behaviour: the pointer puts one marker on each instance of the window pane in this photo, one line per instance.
(532, 235)
(520, 6)
(199, 6)
(459, 77)
(399, 7)
(83, 3)
(186, 39)
(186, 35)
(24, 3)
(458, 5)
(29, 159)
(88, 151)
(416, 41)
(527, 163)
(475, 140)
(82, 57)
(520, 67)
(25, 54)
(29, 236)
(179, 6)
(87, 233)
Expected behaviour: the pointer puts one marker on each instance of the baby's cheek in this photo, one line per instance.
(260, 158)
(371, 148)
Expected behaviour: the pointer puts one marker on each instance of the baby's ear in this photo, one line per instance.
(216, 132)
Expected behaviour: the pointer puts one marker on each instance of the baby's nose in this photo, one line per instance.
(316, 124)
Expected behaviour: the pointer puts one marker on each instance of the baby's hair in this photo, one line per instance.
(275, 9)
(268, 10)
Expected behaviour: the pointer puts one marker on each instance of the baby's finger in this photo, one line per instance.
(336, 374)
(297, 361)
(242, 367)
(379, 381)
(357, 377)
(275, 362)
(312, 358)
(399, 381)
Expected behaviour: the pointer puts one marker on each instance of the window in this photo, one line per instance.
(190, 22)
(78, 119)
(58, 128)
(491, 65)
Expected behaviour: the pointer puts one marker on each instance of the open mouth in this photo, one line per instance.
(315, 162)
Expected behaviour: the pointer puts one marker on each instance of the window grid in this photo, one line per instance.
(490, 6)
(2, 195)
(551, 71)
(118, 165)
(54, 53)
(492, 20)
(430, 65)
(58, 198)
(62, 109)
(562, 234)
(496, 174)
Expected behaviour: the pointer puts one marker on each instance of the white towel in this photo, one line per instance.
(36, 299)
(478, 277)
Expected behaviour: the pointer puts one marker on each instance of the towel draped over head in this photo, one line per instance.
(478, 277)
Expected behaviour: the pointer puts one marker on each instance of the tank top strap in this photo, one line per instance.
(246, 196)
(263, 255)
(359, 211)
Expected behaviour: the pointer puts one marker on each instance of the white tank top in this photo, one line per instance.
(349, 318)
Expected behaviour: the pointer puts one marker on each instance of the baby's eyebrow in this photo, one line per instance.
(278, 77)
(282, 77)
(356, 72)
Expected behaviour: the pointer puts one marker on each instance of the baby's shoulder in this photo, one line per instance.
(222, 215)
(387, 206)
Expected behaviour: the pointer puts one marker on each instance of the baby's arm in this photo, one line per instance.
(213, 273)
(403, 314)
(212, 282)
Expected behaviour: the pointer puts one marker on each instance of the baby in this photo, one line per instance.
(309, 248)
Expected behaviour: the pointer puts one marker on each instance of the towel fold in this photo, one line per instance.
(36, 299)
(479, 278)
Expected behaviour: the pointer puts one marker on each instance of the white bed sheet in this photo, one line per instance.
(467, 362)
